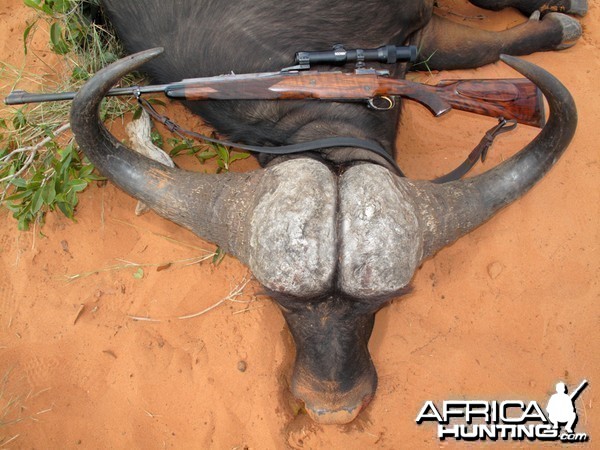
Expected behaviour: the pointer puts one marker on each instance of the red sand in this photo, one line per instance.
(504, 313)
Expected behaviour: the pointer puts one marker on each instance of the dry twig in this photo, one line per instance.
(236, 292)
(33, 151)
(231, 297)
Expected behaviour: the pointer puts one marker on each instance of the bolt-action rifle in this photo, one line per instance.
(517, 99)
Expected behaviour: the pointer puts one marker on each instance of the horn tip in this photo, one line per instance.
(154, 51)
(508, 59)
(147, 55)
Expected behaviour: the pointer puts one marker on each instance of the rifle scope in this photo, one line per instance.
(388, 54)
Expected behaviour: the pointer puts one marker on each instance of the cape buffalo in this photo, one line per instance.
(335, 234)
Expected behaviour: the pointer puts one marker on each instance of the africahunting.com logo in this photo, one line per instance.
(472, 420)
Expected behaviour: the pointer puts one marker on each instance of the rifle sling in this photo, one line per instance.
(479, 152)
(318, 144)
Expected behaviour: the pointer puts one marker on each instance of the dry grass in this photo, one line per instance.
(233, 296)
(14, 407)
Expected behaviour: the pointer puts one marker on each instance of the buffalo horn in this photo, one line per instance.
(214, 207)
(450, 210)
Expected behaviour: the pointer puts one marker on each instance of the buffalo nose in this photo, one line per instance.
(333, 410)
(327, 403)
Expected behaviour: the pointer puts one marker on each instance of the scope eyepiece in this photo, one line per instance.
(388, 54)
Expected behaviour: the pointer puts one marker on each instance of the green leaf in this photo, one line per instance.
(237, 155)
(94, 177)
(156, 101)
(66, 154)
(24, 210)
(178, 149)
(203, 156)
(12, 208)
(61, 6)
(37, 201)
(156, 138)
(109, 57)
(139, 274)
(218, 256)
(79, 74)
(66, 209)
(49, 194)
(20, 195)
(59, 45)
(23, 223)
(86, 171)
(223, 153)
(56, 34)
(137, 113)
(34, 4)
(77, 185)
(26, 33)
(19, 120)
(18, 182)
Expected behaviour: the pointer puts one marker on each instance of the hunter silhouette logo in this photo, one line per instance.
(472, 420)
(561, 406)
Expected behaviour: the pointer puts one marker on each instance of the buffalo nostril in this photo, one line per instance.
(326, 403)
(334, 417)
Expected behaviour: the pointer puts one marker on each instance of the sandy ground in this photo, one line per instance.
(504, 313)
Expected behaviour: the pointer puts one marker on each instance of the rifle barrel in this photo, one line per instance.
(23, 97)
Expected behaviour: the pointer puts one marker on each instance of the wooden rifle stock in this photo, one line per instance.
(517, 99)
(360, 86)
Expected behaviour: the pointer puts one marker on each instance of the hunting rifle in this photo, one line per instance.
(517, 99)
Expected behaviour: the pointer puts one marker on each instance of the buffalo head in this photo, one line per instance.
(330, 247)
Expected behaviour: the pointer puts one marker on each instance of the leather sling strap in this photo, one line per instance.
(318, 144)
(480, 150)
